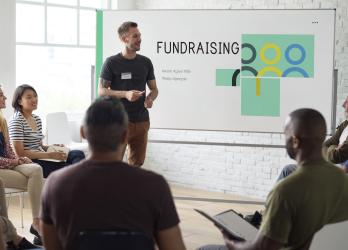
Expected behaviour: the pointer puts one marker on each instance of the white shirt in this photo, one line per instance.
(344, 136)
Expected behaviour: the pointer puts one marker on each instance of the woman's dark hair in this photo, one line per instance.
(17, 95)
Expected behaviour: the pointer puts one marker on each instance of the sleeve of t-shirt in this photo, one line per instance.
(151, 74)
(106, 72)
(167, 215)
(276, 222)
(16, 129)
(45, 214)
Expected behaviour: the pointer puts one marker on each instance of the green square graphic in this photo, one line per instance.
(267, 103)
(223, 77)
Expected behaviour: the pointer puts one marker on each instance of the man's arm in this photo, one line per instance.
(153, 93)
(261, 243)
(170, 239)
(333, 151)
(335, 138)
(50, 237)
(338, 154)
(104, 90)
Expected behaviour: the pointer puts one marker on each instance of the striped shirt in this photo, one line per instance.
(20, 130)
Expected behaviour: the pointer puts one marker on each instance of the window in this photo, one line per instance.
(62, 30)
(30, 26)
(55, 51)
(60, 75)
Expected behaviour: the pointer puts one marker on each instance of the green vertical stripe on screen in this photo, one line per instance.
(99, 48)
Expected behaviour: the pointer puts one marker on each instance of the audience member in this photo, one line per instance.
(19, 172)
(8, 232)
(301, 204)
(103, 192)
(335, 148)
(25, 131)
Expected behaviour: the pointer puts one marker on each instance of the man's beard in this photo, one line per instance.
(135, 48)
(290, 150)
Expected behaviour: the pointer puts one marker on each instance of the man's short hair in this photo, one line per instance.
(308, 123)
(105, 123)
(124, 28)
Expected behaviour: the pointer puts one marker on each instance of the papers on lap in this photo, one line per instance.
(56, 148)
(238, 228)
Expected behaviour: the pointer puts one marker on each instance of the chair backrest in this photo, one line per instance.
(57, 128)
(332, 236)
(113, 240)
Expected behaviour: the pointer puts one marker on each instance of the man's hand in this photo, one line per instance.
(133, 95)
(229, 243)
(148, 102)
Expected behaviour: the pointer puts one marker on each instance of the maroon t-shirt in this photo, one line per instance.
(95, 195)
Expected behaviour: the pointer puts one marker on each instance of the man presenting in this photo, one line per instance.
(125, 76)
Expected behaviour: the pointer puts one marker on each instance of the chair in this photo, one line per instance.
(58, 131)
(9, 192)
(332, 236)
(113, 240)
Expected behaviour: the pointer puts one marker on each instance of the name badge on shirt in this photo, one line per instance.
(126, 75)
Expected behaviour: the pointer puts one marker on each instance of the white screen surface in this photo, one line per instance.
(195, 87)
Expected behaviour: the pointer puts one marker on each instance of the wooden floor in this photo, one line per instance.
(196, 230)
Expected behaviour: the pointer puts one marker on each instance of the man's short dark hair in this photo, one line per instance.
(308, 123)
(105, 123)
(124, 28)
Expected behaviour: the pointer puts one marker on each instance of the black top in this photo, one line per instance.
(2, 145)
(129, 74)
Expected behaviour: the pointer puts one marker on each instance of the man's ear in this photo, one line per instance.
(82, 133)
(124, 139)
(124, 38)
(296, 142)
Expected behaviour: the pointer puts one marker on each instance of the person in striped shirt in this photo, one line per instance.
(25, 131)
(18, 172)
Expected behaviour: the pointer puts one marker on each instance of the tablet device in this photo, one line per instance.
(237, 228)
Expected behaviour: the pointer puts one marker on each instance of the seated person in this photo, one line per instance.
(25, 130)
(301, 204)
(19, 172)
(8, 232)
(335, 148)
(106, 193)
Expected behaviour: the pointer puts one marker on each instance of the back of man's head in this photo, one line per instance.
(105, 124)
(305, 129)
(308, 123)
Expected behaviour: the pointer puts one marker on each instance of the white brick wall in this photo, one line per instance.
(249, 171)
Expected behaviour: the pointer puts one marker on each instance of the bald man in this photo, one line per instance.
(335, 148)
(304, 202)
